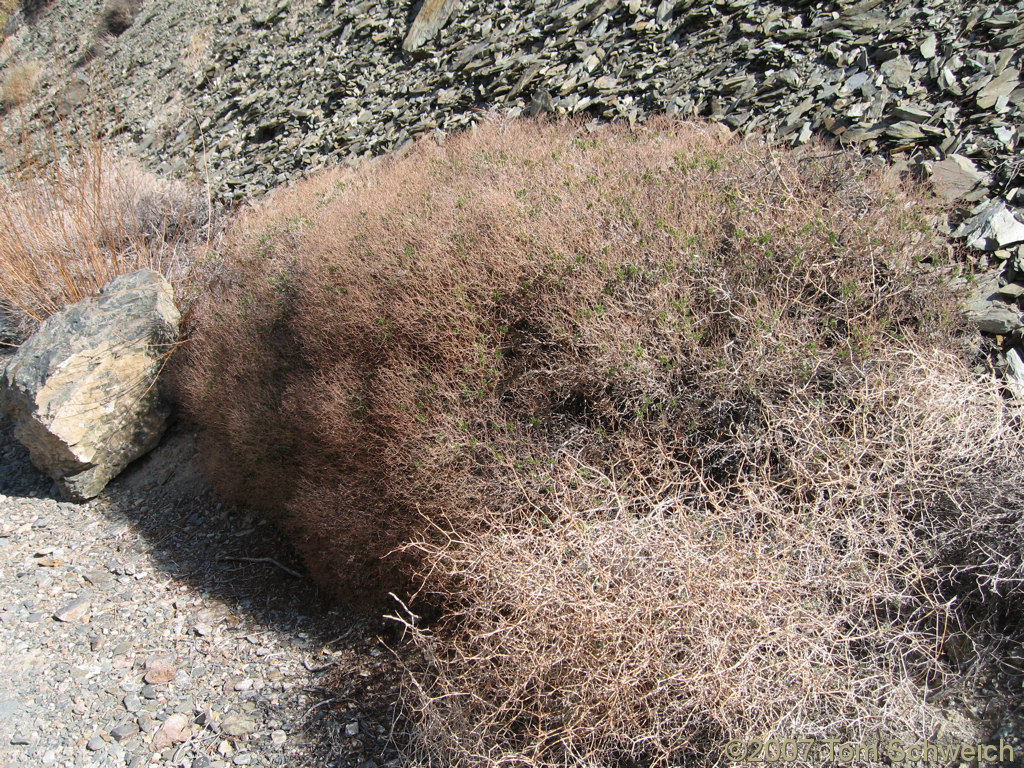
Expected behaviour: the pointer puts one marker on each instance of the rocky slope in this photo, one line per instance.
(257, 92)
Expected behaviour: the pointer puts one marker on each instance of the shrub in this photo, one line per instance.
(69, 226)
(19, 83)
(116, 17)
(654, 420)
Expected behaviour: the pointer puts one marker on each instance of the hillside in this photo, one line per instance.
(260, 92)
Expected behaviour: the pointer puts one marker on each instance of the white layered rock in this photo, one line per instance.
(82, 390)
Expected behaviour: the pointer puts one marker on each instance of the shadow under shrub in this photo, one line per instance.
(657, 419)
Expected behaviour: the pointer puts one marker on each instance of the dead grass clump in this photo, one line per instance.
(68, 227)
(19, 83)
(653, 417)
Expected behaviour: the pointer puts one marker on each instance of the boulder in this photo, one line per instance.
(82, 390)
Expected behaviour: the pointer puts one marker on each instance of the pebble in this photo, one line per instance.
(124, 731)
(73, 611)
(157, 672)
(173, 730)
(237, 725)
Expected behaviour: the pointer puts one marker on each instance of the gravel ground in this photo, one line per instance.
(128, 636)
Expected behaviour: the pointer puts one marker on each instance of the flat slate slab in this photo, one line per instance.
(432, 16)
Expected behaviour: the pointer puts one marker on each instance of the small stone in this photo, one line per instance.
(99, 579)
(1011, 291)
(124, 731)
(928, 47)
(174, 730)
(73, 611)
(94, 744)
(243, 685)
(122, 648)
(352, 729)
(542, 103)
(160, 671)
(1015, 373)
(237, 725)
(432, 16)
(897, 71)
(149, 692)
(132, 703)
(996, 319)
(203, 630)
(905, 130)
(278, 738)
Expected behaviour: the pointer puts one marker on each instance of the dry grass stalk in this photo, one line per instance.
(67, 227)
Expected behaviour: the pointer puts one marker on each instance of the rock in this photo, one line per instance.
(237, 725)
(432, 15)
(160, 671)
(124, 731)
(95, 744)
(955, 177)
(542, 103)
(1000, 86)
(73, 611)
(905, 130)
(897, 71)
(132, 703)
(928, 46)
(245, 684)
(995, 318)
(1015, 373)
(1011, 291)
(987, 312)
(173, 730)
(992, 228)
(82, 390)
